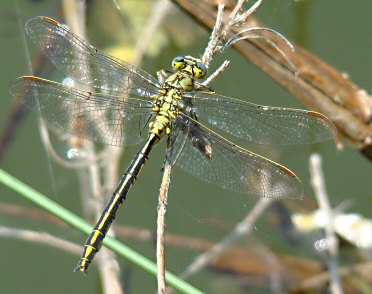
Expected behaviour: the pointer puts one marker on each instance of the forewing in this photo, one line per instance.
(85, 63)
(97, 117)
(262, 124)
(211, 158)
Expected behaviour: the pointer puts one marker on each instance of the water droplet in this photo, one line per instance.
(68, 82)
(321, 245)
(75, 153)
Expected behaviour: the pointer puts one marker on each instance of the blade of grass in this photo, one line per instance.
(78, 223)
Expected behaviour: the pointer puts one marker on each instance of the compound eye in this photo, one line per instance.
(178, 63)
(202, 70)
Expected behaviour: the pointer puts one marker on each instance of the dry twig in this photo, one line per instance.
(318, 184)
(41, 238)
(91, 176)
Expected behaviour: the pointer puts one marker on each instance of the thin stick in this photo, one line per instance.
(318, 184)
(41, 238)
(236, 18)
(162, 204)
(160, 240)
(163, 193)
(159, 12)
(107, 264)
(215, 37)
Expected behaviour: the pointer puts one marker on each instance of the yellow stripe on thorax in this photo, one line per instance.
(165, 105)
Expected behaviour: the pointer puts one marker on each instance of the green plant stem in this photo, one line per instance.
(78, 223)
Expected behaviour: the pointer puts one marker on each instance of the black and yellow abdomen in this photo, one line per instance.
(95, 239)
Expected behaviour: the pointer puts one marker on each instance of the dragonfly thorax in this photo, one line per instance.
(169, 102)
(166, 107)
(181, 80)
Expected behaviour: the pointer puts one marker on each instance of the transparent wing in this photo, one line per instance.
(97, 117)
(211, 158)
(85, 63)
(262, 124)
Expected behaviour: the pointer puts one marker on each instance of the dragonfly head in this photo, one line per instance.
(191, 65)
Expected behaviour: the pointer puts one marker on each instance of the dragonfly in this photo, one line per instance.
(120, 101)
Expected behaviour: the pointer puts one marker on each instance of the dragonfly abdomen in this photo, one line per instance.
(99, 232)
